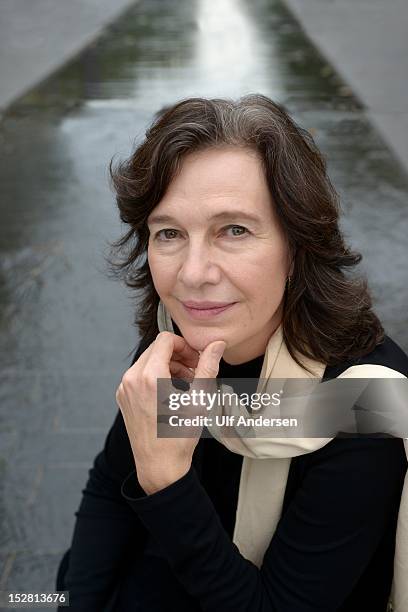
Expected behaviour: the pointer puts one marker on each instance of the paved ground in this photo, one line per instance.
(366, 41)
(67, 330)
(37, 37)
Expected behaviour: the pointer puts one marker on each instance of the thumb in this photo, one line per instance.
(209, 361)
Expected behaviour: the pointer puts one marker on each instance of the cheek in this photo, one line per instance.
(162, 270)
(270, 267)
(267, 280)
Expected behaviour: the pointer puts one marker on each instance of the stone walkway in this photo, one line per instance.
(367, 43)
(36, 38)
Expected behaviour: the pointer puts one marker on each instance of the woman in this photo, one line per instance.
(231, 204)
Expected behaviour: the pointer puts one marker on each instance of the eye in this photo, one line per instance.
(164, 230)
(174, 231)
(241, 227)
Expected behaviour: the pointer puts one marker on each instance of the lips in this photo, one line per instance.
(205, 305)
(207, 313)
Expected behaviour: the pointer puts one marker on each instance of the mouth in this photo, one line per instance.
(205, 313)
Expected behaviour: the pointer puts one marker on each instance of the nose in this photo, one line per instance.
(198, 266)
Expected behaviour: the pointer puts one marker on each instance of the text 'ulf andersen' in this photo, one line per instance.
(230, 421)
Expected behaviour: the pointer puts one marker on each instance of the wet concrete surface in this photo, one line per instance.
(66, 329)
(351, 35)
(36, 38)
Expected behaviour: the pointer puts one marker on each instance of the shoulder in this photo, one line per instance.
(370, 452)
(387, 354)
(365, 462)
(349, 480)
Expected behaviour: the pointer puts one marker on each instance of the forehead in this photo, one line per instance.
(217, 180)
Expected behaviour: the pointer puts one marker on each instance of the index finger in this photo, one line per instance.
(186, 354)
(180, 349)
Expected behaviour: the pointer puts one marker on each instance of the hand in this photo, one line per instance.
(161, 461)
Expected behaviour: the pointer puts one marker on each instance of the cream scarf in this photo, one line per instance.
(267, 460)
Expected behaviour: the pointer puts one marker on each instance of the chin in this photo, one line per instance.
(199, 339)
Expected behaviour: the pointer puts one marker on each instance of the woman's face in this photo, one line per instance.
(209, 250)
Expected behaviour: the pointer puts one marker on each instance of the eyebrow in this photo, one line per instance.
(226, 214)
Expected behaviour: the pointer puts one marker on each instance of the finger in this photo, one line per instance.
(209, 361)
(179, 354)
(164, 347)
(142, 359)
(206, 372)
(177, 369)
(187, 355)
(182, 352)
(191, 362)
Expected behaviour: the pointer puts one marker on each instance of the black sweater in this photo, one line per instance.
(332, 549)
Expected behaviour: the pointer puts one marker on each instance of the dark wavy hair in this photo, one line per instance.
(327, 314)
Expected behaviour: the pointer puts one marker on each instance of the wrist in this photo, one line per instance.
(153, 481)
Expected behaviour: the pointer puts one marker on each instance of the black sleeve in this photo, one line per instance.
(106, 530)
(327, 535)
